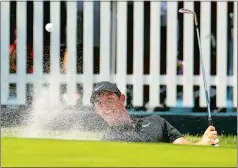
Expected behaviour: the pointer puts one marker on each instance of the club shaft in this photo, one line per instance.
(204, 78)
(203, 74)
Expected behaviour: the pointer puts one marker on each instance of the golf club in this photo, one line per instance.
(187, 11)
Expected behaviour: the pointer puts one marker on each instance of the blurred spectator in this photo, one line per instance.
(13, 56)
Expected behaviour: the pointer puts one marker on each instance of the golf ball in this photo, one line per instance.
(49, 27)
(216, 141)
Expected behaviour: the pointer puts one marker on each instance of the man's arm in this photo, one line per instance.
(208, 138)
(183, 141)
(175, 137)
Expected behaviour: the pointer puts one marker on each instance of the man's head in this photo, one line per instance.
(108, 101)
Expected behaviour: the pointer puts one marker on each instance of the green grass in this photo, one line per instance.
(51, 152)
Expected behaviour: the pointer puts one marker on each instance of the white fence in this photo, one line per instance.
(121, 78)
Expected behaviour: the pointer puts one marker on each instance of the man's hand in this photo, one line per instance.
(209, 137)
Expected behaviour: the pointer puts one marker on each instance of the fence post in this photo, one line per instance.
(71, 51)
(87, 51)
(105, 43)
(235, 56)
(205, 28)
(155, 28)
(113, 35)
(138, 53)
(21, 52)
(171, 53)
(5, 27)
(221, 54)
(121, 63)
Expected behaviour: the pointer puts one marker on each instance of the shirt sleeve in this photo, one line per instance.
(171, 133)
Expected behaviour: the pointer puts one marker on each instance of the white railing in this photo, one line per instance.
(121, 78)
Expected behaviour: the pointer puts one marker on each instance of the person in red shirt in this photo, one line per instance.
(13, 56)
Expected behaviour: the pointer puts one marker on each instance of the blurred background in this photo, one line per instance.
(147, 48)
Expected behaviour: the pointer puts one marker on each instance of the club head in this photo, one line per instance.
(187, 11)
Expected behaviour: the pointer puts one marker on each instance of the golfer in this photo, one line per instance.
(108, 102)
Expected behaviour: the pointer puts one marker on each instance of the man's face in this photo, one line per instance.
(109, 105)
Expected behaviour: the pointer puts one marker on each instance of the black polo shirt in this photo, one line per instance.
(147, 129)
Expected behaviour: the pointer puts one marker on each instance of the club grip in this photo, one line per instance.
(210, 121)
